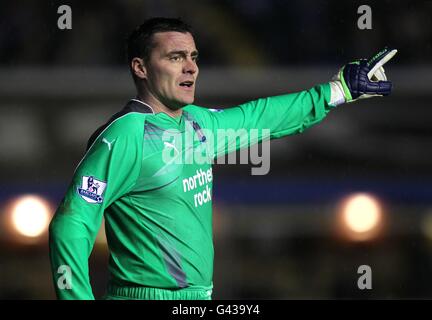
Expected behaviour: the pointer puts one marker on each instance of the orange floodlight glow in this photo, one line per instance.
(361, 216)
(30, 216)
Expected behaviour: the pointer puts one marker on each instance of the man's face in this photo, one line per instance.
(172, 69)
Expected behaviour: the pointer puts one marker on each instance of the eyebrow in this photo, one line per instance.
(183, 53)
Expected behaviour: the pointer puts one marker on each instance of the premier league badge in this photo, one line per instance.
(92, 189)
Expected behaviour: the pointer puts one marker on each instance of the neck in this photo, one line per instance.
(158, 106)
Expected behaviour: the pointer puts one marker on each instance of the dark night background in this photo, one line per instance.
(276, 236)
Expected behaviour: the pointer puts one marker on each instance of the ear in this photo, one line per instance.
(138, 68)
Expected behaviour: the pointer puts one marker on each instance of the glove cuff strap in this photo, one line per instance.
(337, 95)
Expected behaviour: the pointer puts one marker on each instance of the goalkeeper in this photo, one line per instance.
(158, 214)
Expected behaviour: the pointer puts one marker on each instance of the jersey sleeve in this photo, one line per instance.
(107, 172)
(267, 118)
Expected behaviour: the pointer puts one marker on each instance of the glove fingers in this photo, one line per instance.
(380, 59)
(379, 75)
(366, 78)
(380, 87)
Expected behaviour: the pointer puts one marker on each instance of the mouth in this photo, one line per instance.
(188, 85)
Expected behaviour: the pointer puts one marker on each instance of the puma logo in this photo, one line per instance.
(109, 144)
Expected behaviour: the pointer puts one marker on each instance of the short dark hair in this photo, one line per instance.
(139, 43)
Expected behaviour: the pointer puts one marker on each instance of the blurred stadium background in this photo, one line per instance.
(279, 236)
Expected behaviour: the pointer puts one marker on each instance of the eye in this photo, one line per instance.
(176, 58)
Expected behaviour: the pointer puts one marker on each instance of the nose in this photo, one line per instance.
(190, 66)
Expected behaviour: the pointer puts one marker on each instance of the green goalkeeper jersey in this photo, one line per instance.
(150, 176)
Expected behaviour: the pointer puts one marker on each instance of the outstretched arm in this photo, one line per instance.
(278, 116)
